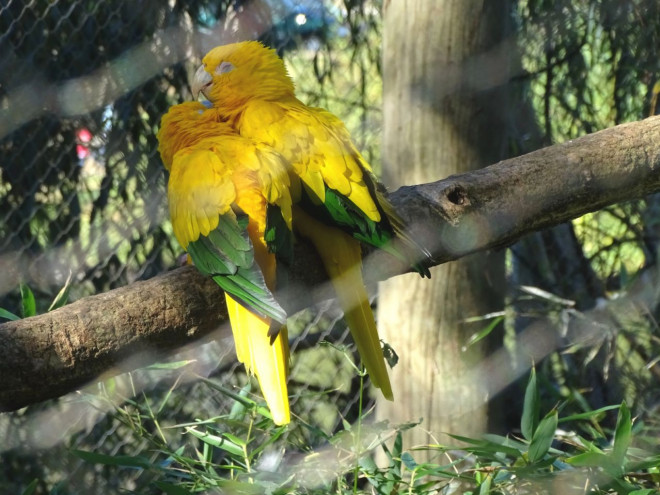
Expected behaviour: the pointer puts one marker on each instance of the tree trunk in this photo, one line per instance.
(445, 68)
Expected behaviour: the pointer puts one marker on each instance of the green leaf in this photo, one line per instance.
(8, 315)
(484, 488)
(392, 462)
(482, 447)
(29, 306)
(29, 490)
(235, 440)
(273, 435)
(589, 459)
(171, 489)
(221, 442)
(174, 365)
(543, 436)
(531, 406)
(246, 401)
(238, 409)
(478, 336)
(624, 277)
(622, 435)
(62, 296)
(588, 414)
(242, 488)
(397, 448)
(542, 294)
(409, 461)
(115, 460)
(506, 441)
(367, 464)
(647, 463)
(110, 386)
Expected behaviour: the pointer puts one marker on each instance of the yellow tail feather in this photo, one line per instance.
(342, 258)
(269, 362)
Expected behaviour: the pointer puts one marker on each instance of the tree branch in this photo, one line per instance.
(495, 206)
(49, 355)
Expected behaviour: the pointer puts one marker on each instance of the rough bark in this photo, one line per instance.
(48, 355)
(440, 110)
(494, 206)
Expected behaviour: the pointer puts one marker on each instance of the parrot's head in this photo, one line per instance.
(185, 124)
(231, 75)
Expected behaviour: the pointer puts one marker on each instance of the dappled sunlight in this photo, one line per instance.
(84, 211)
(100, 242)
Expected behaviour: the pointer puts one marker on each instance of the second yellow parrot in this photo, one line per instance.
(225, 192)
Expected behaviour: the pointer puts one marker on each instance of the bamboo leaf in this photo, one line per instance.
(114, 460)
(8, 315)
(530, 414)
(589, 459)
(221, 442)
(29, 306)
(29, 490)
(543, 436)
(62, 296)
(622, 436)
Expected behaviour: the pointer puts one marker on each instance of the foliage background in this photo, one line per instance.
(95, 210)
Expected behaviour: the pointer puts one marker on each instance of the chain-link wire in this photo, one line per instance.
(82, 88)
(82, 193)
(588, 66)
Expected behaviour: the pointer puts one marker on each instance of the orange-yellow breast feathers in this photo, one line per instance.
(212, 167)
(186, 124)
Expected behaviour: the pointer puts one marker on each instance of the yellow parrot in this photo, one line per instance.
(225, 192)
(337, 202)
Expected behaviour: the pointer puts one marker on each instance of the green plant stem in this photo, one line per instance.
(247, 441)
(356, 470)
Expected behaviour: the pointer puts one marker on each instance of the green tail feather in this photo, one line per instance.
(388, 234)
(278, 236)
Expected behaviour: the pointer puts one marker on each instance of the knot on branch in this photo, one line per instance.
(457, 195)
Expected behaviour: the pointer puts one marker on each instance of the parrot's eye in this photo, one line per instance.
(224, 67)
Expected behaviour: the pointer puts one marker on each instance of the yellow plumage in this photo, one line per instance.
(343, 262)
(212, 170)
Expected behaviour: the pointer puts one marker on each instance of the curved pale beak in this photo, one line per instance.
(202, 80)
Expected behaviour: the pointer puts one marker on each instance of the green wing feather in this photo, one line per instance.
(338, 186)
(340, 211)
(226, 255)
(419, 257)
(278, 235)
(348, 179)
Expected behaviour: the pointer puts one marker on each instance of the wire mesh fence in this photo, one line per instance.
(82, 190)
(82, 194)
(83, 88)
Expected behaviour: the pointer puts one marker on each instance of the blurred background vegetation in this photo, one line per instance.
(82, 194)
